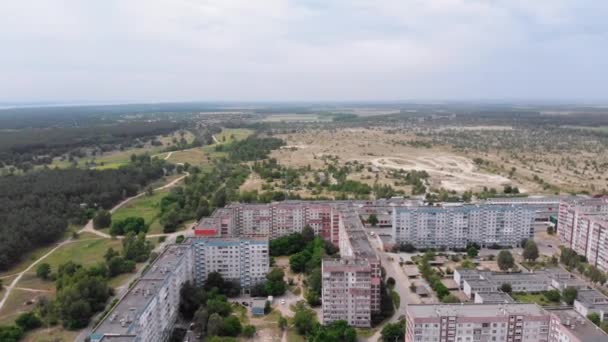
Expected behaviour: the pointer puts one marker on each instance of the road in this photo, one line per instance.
(89, 228)
(390, 262)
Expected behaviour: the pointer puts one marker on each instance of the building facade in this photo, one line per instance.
(242, 260)
(455, 226)
(583, 226)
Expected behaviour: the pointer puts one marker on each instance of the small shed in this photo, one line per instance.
(257, 308)
(422, 291)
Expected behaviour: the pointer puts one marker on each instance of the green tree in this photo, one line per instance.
(505, 260)
(338, 331)
(249, 331)
(215, 324)
(569, 295)
(308, 234)
(595, 318)
(552, 296)
(102, 219)
(506, 288)
(393, 332)
(28, 321)
(201, 316)
(450, 299)
(304, 319)
(135, 225)
(530, 250)
(372, 219)
(472, 252)
(10, 333)
(282, 323)
(231, 326)
(43, 271)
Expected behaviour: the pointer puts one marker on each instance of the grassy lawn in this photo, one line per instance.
(365, 332)
(54, 334)
(233, 134)
(17, 303)
(293, 336)
(85, 252)
(30, 281)
(396, 299)
(147, 207)
(273, 316)
(537, 298)
(240, 312)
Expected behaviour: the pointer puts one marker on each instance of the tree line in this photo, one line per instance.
(36, 208)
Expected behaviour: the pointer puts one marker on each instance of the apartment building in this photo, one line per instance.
(476, 322)
(351, 285)
(455, 226)
(566, 325)
(583, 226)
(569, 213)
(244, 260)
(512, 322)
(149, 309)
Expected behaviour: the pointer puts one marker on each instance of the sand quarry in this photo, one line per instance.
(376, 147)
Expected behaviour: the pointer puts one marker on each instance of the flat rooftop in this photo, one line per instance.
(495, 297)
(473, 310)
(119, 322)
(591, 297)
(356, 233)
(579, 326)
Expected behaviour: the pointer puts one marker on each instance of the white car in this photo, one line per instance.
(282, 301)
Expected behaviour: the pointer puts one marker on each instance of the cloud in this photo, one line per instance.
(171, 50)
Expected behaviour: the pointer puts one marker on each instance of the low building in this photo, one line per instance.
(493, 298)
(462, 274)
(591, 301)
(476, 322)
(258, 306)
(473, 286)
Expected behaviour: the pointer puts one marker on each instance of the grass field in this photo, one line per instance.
(537, 298)
(54, 334)
(230, 135)
(85, 252)
(18, 302)
(115, 159)
(28, 258)
(198, 156)
(146, 207)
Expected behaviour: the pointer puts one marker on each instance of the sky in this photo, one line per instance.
(303, 50)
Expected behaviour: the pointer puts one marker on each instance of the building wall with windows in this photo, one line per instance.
(456, 226)
(243, 260)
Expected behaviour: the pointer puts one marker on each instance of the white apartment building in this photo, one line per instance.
(148, 311)
(456, 226)
(243, 260)
(476, 323)
(347, 291)
(583, 226)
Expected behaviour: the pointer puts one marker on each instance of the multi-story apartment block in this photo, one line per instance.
(476, 322)
(455, 226)
(347, 291)
(508, 322)
(567, 325)
(583, 226)
(351, 285)
(242, 260)
(591, 301)
(148, 311)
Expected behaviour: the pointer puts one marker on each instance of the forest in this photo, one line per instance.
(36, 208)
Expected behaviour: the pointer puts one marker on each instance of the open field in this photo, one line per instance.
(18, 301)
(383, 150)
(53, 334)
(85, 252)
(233, 134)
(146, 207)
(115, 159)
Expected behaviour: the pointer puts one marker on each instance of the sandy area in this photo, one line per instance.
(382, 151)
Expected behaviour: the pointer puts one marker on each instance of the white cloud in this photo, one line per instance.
(304, 50)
